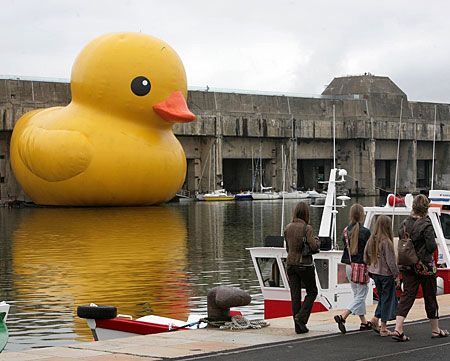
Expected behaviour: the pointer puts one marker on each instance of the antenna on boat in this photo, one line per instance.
(396, 164)
(334, 166)
(283, 166)
(328, 229)
(434, 148)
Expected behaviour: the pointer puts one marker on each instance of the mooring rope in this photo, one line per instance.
(238, 323)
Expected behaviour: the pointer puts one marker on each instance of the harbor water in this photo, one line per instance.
(146, 260)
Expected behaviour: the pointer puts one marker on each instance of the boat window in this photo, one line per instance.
(270, 272)
(322, 266)
(342, 274)
(445, 221)
(398, 219)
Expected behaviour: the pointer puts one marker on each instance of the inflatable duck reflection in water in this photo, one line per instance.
(114, 143)
(115, 256)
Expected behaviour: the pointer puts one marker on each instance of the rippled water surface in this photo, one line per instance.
(150, 260)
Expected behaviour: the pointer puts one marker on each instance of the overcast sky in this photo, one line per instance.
(279, 45)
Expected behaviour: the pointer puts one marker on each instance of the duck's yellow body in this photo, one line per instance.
(113, 144)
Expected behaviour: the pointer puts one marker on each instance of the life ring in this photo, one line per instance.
(96, 312)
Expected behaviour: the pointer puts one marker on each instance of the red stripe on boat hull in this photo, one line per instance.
(131, 326)
(277, 308)
(139, 327)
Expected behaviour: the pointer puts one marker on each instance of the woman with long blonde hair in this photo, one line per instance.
(354, 238)
(379, 255)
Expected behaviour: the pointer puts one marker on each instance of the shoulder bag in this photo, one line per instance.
(359, 272)
(306, 250)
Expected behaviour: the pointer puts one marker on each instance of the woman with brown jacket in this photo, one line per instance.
(418, 226)
(300, 268)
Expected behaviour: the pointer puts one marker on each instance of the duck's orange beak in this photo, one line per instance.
(174, 109)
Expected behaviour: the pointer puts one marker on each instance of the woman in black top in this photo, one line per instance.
(356, 236)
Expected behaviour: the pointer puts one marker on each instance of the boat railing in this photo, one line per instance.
(184, 193)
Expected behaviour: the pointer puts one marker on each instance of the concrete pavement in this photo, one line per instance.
(270, 343)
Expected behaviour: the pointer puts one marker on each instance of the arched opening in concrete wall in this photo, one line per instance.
(424, 174)
(238, 175)
(311, 171)
(385, 175)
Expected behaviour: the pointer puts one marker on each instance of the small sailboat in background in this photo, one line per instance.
(295, 195)
(314, 194)
(265, 193)
(243, 196)
(287, 174)
(218, 195)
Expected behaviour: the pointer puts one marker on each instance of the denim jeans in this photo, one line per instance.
(387, 298)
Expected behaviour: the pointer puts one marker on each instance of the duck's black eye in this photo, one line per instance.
(140, 86)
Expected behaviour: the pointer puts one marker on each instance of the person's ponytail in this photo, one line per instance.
(354, 240)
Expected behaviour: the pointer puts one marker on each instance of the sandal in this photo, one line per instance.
(365, 326)
(399, 337)
(386, 333)
(440, 334)
(375, 327)
(341, 323)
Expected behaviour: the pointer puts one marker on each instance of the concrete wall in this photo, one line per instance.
(234, 127)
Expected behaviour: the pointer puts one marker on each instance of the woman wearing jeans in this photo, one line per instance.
(355, 236)
(379, 254)
(300, 268)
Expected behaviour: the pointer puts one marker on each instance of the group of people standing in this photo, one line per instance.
(367, 255)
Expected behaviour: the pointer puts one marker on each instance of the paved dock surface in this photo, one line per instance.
(276, 342)
(354, 346)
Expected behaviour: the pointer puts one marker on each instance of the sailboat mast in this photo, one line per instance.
(209, 169)
(260, 165)
(398, 153)
(215, 169)
(334, 167)
(334, 136)
(253, 174)
(283, 169)
(434, 147)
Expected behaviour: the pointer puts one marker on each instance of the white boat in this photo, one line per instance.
(4, 307)
(218, 195)
(266, 193)
(315, 194)
(4, 310)
(294, 195)
(184, 195)
(106, 324)
(333, 286)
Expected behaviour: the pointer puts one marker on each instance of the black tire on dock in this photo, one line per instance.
(97, 312)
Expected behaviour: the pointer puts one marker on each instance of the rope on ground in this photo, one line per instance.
(239, 323)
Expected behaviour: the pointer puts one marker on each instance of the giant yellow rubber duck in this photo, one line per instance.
(114, 143)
